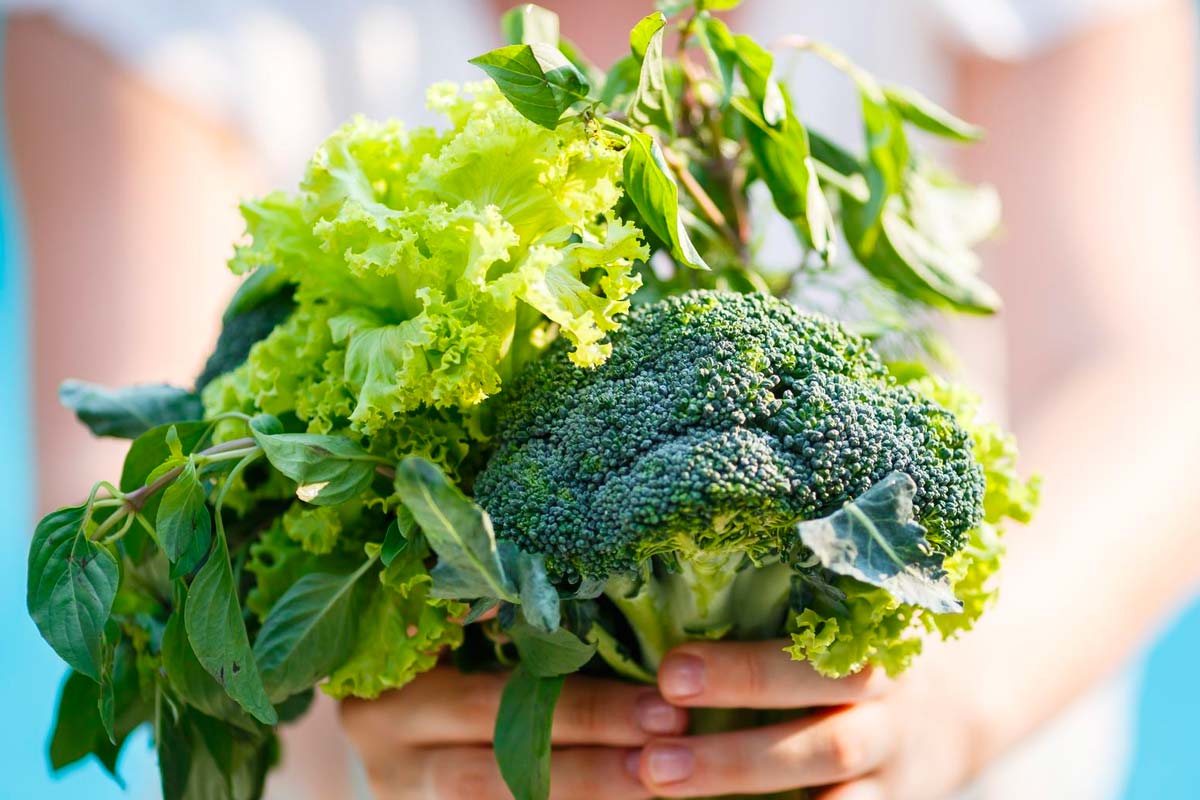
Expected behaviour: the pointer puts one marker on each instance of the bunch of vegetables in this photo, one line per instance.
(529, 363)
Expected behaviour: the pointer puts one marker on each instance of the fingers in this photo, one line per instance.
(445, 706)
(470, 773)
(862, 789)
(814, 751)
(755, 675)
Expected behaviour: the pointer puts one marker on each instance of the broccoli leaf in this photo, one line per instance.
(522, 733)
(875, 540)
(129, 411)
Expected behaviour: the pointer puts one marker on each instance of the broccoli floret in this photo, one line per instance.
(719, 422)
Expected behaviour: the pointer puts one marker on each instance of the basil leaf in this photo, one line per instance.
(458, 530)
(72, 582)
(537, 79)
(78, 731)
(184, 524)
(651, 102)
(651, 187)
(539, 598)
(327, 469)
(399, 533)
(150, 451)
(757, 68)
(927, 115)
(529, 24)
(719, 47)
(874, 539)
(546, 655)
(130, 411)
(309, 632)
(217, 632)
(522, 733)
(187, 676)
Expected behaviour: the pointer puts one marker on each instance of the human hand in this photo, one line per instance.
(879, 738)
(431, 740)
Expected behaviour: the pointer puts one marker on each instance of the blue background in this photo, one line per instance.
(1168, 744)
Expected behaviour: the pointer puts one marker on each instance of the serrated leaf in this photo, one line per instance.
(522, 734)
(549, 654)
(184, 525)
(458, 530)
(652, 188)
(537, 79)
(72, 582)
(927, 115)
(217, 632)
(875, 539)
(309, 632)
(529, 23)
(327, 469)
(130, 411)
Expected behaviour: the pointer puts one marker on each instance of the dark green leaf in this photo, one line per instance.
(539, 598)
(149, 451)
(130, 411)
(72, 584)
(479, 608)
(217, 632)
(398, 536)
(651, 187)
(173, 742)
(529, 24)
(78, 731)
(651, 102)
(309, 632)
(327, 469)
(547, 655)
(927, 115)
(187, 676)
(874, 539)
(458, 530)
(522, 733)
(184, 524)
(537, 79)
(264, 284)
(621, 82)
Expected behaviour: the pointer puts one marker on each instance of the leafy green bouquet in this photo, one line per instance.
(530, 362)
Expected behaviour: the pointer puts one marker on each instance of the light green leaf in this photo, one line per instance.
(130, 411)
(217, 632)
(309, 632)
(530, 24)
(184, 524)
(72, 582)
(651, 102)
(757, 69)
(458, 530)
(874, 539)
(522, 733)
(927, 115)
(327, 469)
(537, 79)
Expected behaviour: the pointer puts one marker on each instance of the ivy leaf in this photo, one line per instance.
(327, 469)
(184, 524)
(522, 733)
(217, 632)
(874, 539)
(128, 412)
(550, 654)
(309, 632)
(458, 530)
(72, 582)
(529, 24)
(649, 184)
(927, 115)
(651, 102)
(537, 79)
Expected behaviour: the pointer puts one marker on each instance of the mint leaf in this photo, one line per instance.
(651, 102)
(537, 79)
(217, 632)
(458, 530)
(550, 654)
(522, 733)
(651, 187)
(327, 469)
(309, 632)
(927, 115)
(184, 525)
(874, 539)
(530, 24)
(130, 411)
(72, 582)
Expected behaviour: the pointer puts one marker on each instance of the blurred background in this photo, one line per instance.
(132, 128)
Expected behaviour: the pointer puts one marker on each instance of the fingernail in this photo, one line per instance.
(633, 763)
(682, 676)
(656, 715)
(670, 764)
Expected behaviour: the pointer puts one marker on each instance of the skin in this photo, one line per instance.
(1092, 146)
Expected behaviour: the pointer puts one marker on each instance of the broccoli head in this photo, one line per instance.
(719, 422)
